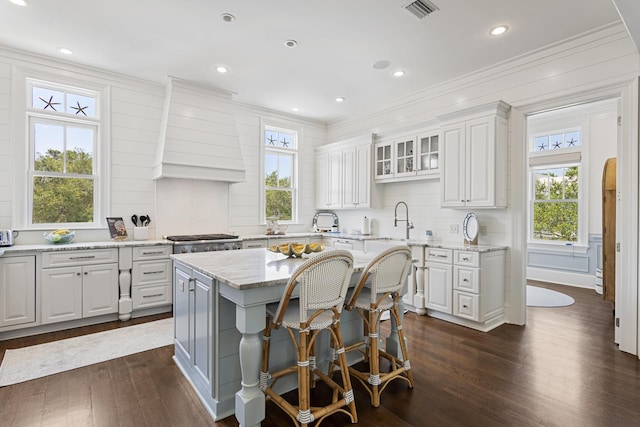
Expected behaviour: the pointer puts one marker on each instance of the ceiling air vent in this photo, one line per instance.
(421, 8)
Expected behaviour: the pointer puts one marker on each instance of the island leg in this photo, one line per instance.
(418, 299)
(250, 401)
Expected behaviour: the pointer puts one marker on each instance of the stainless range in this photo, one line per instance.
(204, 243)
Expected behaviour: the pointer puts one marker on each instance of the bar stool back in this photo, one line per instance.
(388, 273)
(322, 282)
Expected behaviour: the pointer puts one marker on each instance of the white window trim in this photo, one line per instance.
(21, 102)
(296, 182)
(566, 157)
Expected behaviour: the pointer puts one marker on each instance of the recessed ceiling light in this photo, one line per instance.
(340, 99)
(500, 29)
(290, 43)
(19, 2)
(381, 65)
(222, 69)
(295, 109)
(398, 73)
(65, 51)
(227, 17)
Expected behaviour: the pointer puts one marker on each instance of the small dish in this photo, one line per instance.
(59, 236)
(296, 249)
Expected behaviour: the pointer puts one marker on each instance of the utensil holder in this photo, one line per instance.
(140, 233)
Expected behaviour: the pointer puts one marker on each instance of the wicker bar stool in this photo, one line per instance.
(322, 282)
(388, 272)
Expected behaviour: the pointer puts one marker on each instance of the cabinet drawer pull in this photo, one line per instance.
(439, 256)
(153, 272)
(465, 259)
(153, 253)
(82, 257)
(152, 296)
(254, 246)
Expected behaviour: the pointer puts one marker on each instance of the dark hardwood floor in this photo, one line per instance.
(562, 369)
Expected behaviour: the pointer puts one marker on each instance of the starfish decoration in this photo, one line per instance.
(556, 144)
(285, 143)
(49, 103)
(571, 142)
(541, 147)
(271, 140)
(79, 109)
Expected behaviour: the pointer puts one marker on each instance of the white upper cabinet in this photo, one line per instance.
(414, 156)
(474, 158)
(344, 175)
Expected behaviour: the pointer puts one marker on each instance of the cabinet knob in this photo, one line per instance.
(77, 274)
(465, 306)
(465, 280)
(85, 273)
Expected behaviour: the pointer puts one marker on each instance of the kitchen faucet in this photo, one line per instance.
(395, 217)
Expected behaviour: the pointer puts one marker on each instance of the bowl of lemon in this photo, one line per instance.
(296, 249)
(59, 236)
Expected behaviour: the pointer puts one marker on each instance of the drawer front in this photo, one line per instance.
(252, 244)
(466, 305)
(467, 258)
(140, 253)
(68, 258)
(439, 255)
(148, 272)
(466, 279)
(151, 296)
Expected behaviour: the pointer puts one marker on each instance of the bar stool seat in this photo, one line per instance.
(388, 272)
(322, 282)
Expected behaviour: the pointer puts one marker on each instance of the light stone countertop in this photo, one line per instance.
(73, 246)
(253, 268)
(279, 236)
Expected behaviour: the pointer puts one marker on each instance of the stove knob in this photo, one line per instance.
(226, 247)
(207, 248)
(194, 249)
(183, 250)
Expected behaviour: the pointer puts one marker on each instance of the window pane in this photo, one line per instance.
(62, 200)
(48, 150)
(434, 143)
(270, 137)
(47, 99)
(556, 221)
(571, 183)
(541, 143)
(556, 141)
(285, 171)
(286, 140)
(80, 105)
(279, 204)
(80, 150)
(573, 139)
(434, 161)
(541, 184)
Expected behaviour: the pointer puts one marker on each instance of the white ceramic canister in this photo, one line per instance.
(365, 226)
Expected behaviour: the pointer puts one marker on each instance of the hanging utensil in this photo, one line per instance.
(148, 220)
(143, 220)
(134, 219)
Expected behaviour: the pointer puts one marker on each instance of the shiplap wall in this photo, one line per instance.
(6, 147)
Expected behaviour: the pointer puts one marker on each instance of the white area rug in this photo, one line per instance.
(542, 297)
(40, 360)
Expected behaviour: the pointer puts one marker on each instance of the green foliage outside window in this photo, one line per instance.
(278, 197)
(555, 208)
(63, 199)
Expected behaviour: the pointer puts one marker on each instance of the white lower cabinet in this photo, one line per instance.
(17, 290)
(348, 244)
(466, 286)
(78, 284)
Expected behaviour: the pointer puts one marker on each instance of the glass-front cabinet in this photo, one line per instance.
(415, 156)
(428, 153)
(383, 160)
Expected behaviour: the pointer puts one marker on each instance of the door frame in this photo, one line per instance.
(627, 265)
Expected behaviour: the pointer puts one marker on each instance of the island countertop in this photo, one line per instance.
(253, 268)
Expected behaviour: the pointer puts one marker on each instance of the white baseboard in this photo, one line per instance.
(561, 277)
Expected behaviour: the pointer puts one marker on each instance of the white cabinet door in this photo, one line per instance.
(329, 180)
(383, 160)
(356, 172)
(99, 289)
(62, 294)
(182, 313)
(17, 290)
(439, 287)
(480, 162)
(452, 182)
(428, 153)
(322, 181)
(202, 328)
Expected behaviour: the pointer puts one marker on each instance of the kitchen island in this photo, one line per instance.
(219, 312)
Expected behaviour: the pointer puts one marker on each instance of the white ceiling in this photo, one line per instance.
(338, 42)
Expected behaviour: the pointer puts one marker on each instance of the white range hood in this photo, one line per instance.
(199, 138)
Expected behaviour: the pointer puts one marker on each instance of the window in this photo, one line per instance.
(280, 173)
(556, 202)
(63, 182)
